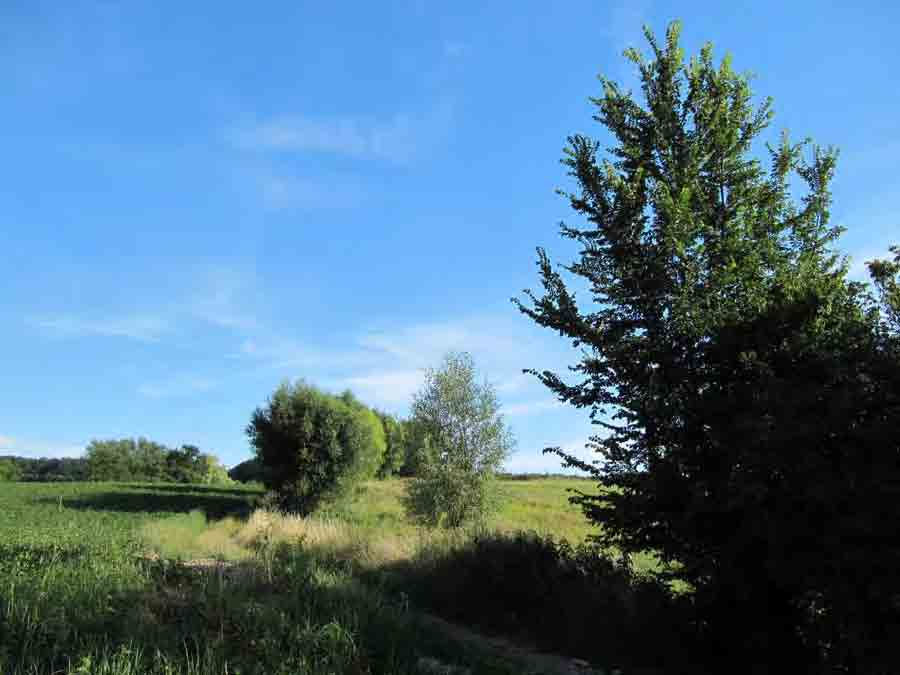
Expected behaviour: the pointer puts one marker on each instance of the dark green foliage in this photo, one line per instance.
(27, 469)
(313, 445)
(395, 445)
(749, 394)
(249, 471)
(184, 465)
(886, 276)
(416, 446)
(559, 598)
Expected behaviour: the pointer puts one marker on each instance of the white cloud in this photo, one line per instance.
(180, 385)
(393, 140)
(36, 449)
(220, 298)
(144, 328)
(424, 344)
(531, 407)
(395, 388)
(859, 270)
(386, 366)
(397, 139)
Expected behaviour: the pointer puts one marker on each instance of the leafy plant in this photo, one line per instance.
(465, 441)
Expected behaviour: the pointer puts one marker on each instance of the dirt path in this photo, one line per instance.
(531, 662)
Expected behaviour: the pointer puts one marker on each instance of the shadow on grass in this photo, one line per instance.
(295, 619)
(554, 597)
(142, 500)
(191, 489)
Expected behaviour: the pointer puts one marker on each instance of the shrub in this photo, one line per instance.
(564, 599)
(395, 448)
(313, 445)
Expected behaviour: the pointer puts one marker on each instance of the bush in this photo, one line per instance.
(560, 598)
(314, 446)
(9, 471)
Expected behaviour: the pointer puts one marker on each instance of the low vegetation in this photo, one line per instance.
(113, 578)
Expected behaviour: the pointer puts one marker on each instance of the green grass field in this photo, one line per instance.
(89, 581)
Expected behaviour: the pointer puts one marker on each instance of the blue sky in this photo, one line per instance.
(201, 199)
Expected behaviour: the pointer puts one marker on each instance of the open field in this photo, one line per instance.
(90, 580)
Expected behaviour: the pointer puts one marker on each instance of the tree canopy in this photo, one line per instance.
(315, 446)
(747, 392)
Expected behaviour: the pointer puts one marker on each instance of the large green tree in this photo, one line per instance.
(750, 412)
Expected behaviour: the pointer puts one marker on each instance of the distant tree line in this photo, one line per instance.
(44, 469)
(125, 459)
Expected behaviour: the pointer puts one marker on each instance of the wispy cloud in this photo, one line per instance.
(281, 192)
(177, 386)
(144, 328)
(394, 388)
(531, 407)
(391, 140)
(396, 139)
(36, 449)
(221, 298)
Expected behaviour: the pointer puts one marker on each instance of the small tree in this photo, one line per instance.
(467, 441)
(313, 445)
(9, 471)
(395, 446)
(110, 460)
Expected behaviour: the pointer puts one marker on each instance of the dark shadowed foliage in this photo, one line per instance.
(165, 499)
(249, 471)
(44, 469)
(559, 598)
(749, 394)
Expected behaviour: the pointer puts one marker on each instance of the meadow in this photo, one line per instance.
(137, 578)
